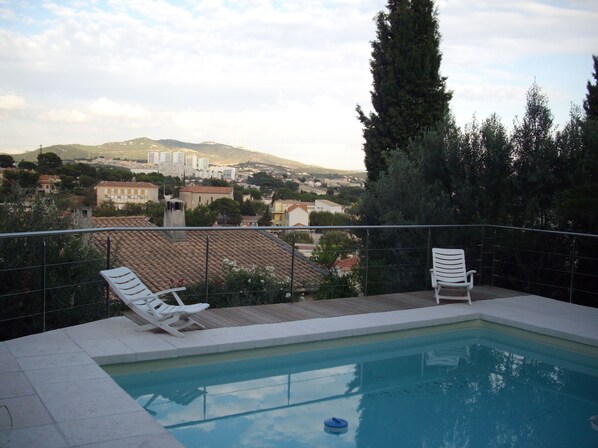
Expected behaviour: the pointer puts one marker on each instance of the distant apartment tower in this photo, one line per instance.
(191, 161)
(153, 157)
(203, 164)
(178, 158)
(196, 163)
(222, 172)
(165, 156)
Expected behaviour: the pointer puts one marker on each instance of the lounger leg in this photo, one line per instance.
(188, 322)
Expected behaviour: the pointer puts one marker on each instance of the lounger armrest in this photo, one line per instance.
(469, 275)
(173, 291)
(146, 301)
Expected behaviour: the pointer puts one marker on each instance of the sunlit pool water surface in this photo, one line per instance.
(461, 388)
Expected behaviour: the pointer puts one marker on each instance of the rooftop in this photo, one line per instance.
(58, 396)
(184, 262)
(296, 206)
(328, 203)
(115, 184)
(207, 190)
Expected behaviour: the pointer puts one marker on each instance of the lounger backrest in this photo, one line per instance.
(128, 287)
(449, 265)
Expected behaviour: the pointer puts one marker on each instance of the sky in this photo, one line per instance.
(282, 77)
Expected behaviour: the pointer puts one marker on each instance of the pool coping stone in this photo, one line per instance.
(68, 359)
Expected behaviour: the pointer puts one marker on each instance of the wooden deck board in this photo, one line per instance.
(287, 312)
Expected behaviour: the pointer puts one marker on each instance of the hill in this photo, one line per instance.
(217, 153)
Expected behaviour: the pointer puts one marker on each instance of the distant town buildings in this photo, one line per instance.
(197, 163)
(218, 172)
(178, 158)
(200, 195)
(121, 193)
(297, 215)
(280, 217)
(165, 157)
(324, 205)
(48, 184)
(153, 157)
(179, 164)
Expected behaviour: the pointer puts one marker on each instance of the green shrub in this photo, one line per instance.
(240, 286)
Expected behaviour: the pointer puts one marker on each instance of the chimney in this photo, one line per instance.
(83, 217)
(174, 216)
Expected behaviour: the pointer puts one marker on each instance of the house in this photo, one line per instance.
(297, 215)
(199, 195)
(163, 262)
(121, 193)
(344, 266)
(48, 184)
(280, 208)
(249, 221)
(324, 205)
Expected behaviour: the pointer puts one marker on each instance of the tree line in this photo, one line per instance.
(424, 169)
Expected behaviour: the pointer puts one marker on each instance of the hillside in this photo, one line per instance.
(137, 149)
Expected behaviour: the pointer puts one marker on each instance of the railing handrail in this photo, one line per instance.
(573, 264)
(233, 228)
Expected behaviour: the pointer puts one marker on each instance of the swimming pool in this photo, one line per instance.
(459, 386)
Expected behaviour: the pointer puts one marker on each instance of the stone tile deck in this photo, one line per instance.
(54, 394)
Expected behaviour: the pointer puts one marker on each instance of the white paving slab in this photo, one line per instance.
(14, 384)
(46, 436)
(8, 363)
(112, 427)
(59, 396)
(64, 374)
(59, 360)
(49, 343)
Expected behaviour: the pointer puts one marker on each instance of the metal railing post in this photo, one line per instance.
(572, 272)
(482, 256)
(493, 258)
(293, 271)
(367, 262)
(205, 279)
(44, 267)
(107, 267)
(428, 251)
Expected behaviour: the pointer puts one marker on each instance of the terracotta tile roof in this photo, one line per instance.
(208, 190)
(162, 263)
(113, 184)
(295, 206)
(46, 178)
(346, 264)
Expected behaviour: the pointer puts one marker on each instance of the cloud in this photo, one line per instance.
(104, 107)
(65, 116)
(11, 102)
(281, 77)
(287, 129)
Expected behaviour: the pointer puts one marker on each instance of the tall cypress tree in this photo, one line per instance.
(590, 105)
(536, 160)
(408, 95)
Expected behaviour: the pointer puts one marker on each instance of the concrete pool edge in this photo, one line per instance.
(92, 411)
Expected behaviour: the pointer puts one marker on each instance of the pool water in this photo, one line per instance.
(464, 388)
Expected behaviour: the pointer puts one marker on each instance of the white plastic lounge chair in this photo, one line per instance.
(147, 304)
(449, 278)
